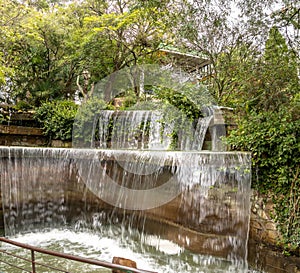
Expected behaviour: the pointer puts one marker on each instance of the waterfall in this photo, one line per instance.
(200, 132)
(141, 172)
(104, 121)
(202, 197)
(33, 188)
(131, 130)
(138, 130)
(147, 130)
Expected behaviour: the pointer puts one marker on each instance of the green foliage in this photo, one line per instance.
(288, 19)
(46, 45)
(190, 98)
(85, 125)
(249, 80)
(41, 56)
(179, 100)
(2, 118)
(57, 118)
(22, 106)
(274, 140)
(269, 127)
(127, 33)
(129, 100)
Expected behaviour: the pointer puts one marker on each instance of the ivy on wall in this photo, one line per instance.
(274, 140)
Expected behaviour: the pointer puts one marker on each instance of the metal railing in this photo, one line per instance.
(33, 261)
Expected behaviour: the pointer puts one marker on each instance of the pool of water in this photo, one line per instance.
(149, 251)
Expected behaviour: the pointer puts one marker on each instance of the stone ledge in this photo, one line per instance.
(20, 130)
(268, 260)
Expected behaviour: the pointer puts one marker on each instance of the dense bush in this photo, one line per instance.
(57, 118)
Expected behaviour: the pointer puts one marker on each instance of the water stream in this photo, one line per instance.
(147, 130)
(171, 211)
(207, 213)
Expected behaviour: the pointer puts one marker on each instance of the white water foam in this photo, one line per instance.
(155, 254)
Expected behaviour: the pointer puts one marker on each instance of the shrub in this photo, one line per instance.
(57, 118)
(273, 139)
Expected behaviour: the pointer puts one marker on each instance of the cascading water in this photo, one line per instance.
(131, 130)
(147, 192)
(146, 130)
(204, 202)
(181, 210)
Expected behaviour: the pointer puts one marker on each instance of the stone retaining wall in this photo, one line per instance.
(264, 240)
(13, 135)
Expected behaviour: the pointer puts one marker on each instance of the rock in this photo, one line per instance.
(124, 262)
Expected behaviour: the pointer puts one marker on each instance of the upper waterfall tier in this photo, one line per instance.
(155, 130)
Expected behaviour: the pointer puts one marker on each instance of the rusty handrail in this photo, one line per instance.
(72, 257)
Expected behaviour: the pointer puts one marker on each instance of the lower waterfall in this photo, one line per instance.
(200, 210)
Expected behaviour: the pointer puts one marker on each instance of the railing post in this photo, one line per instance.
(32, 261)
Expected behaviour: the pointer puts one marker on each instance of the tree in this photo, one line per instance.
(269, 128)
(210, 30)
(259, 81)
(230, 35)
(128, 33)
(284, 14)
(41, 50)
(10, 15)
(280, 71)
(52, 44)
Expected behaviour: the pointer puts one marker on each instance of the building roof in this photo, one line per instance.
(186, 61)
